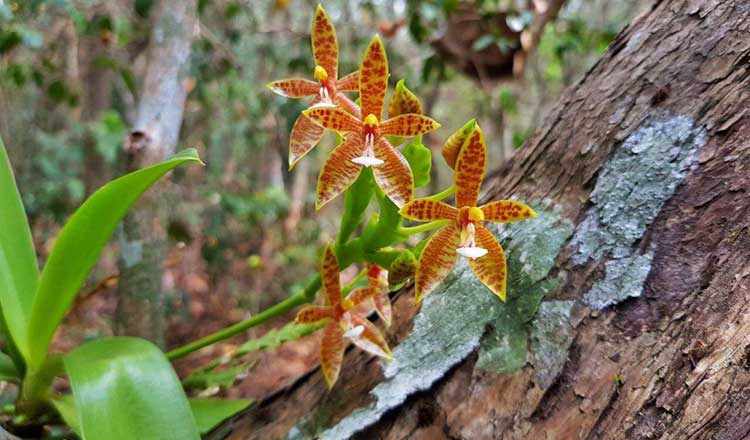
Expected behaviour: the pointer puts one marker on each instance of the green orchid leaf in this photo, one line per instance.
(125, 388)
(420, 161)
(210, 412)
(78, 246)
(19, 273)
(384, 231)
(356, 199)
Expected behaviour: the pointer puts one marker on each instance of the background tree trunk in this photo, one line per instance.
(641, 253)
(140, 309)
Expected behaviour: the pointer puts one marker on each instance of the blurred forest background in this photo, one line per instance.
(243, 230)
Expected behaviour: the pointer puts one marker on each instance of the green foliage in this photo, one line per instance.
(125, 388)
(262, 207)
(569, 38)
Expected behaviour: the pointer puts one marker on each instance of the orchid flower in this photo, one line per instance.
(377, 290)
(342, 322)
(326, 88)
(464, 234)
(364, 138)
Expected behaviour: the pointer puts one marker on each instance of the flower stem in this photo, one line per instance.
(443, 194)
(299, 298)
(411, 230)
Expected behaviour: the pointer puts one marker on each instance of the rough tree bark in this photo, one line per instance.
(641, 252)
(140, 310)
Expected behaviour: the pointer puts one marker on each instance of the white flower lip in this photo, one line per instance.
(368, 161)
(279, 92)
(471, 252)
(323, 104)
(354, 332)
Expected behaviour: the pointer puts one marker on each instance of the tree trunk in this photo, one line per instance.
(140, 309)
(627, 307)
(97, 98)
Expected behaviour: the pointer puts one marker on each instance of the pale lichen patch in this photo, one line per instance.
(551, 336)
(624, 279)
(532, 249)
(629, 194)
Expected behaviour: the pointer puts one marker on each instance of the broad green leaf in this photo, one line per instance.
(18, 268)
(125, 388)
(8, 369)
(66, 407)
(78, 246)
(210, 412)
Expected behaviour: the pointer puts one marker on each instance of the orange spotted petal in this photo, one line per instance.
(339, 172)
(360, 295)
(325, 46)
(427, 210)
(403, 101)
(305, 136)
(470, 166)
(349, 83)
(452, 146)
(437, 261)
(408, 125)
(377, 277)
(506, 211)
(393, 176)
(491, 268)
(294, 87)
(329, 274)
(368, 337)
(334, 118)
(311, 314)
(383, 306)
(332, 352)
(373, 79)
(347, 104)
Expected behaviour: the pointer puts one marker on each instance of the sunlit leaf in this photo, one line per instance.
(78, 246)
(18, 267)
(125, 388)
(210, 412)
